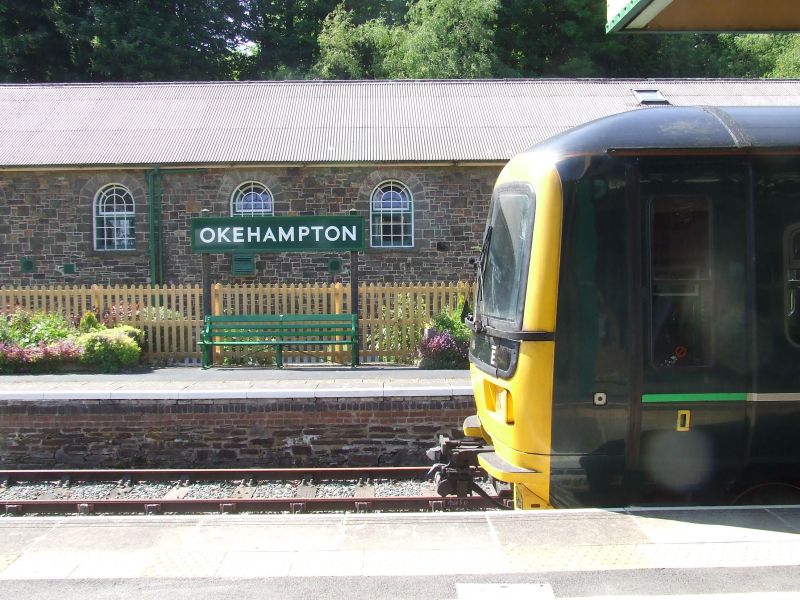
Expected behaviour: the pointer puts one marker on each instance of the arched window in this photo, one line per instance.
(391, 216)
(114, 218)
(251, 199)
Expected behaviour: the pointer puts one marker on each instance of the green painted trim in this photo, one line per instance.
(723, 397)
(626, 14)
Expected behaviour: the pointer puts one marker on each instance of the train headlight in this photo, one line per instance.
(503, 405)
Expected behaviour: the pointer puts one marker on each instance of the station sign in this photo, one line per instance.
(318, 233)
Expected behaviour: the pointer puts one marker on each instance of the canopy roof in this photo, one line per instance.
(702, 15)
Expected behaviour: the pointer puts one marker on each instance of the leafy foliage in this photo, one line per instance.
(28, 329)
(40, 342)
(143, 40)
(89, 322)
(38, 359)
(109, 350)
(447, 345)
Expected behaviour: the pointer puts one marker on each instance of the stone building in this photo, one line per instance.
(99, 183)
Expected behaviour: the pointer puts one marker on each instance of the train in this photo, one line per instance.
(636, 316)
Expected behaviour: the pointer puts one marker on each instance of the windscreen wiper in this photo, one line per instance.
(483, 261)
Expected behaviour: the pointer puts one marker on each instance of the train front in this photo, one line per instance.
(512, 347)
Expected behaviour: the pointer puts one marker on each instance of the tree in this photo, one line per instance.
(152, 40)
(445, 39)
(439, 39)
(566, 38)
(284, 36)
(350, 51)
(763, 55)
(39, 42)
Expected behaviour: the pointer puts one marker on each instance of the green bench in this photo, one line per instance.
(278, 331)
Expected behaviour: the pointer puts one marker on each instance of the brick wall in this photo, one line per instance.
(225, 433)
(47, 216)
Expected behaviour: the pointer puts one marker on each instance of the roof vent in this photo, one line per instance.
(649, 96)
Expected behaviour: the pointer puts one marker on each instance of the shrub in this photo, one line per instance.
(40, 358)
(109, 350)
(447, 345)
(89, 322)
(136, 334)
(26, 329)
(440, 350)
(451, 322)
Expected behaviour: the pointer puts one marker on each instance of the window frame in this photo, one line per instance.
(239, 191)
(407, 226)
(106, 192)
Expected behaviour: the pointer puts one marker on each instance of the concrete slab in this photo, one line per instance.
(328, 563)
(16, 538)
(255, 564)
(41, 564)
(199, 562)
(348, 389)
(271, 535)
(411, 392)
(707, 526)
(789, 516)
(110, 564)
(567, 528)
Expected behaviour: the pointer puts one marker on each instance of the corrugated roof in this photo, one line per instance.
(326, 121)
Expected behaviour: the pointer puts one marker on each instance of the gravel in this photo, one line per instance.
(388, 488)
(276, 489)
(90, 490)
(155, 490)
(211, 490)
(25, 491)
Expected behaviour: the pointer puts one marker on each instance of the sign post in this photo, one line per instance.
(254, 235)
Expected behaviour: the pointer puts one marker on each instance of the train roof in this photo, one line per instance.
(693, 128)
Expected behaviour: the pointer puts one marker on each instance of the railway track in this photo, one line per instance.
(182, 491)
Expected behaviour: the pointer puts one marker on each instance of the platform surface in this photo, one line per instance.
(469, 550)
(239, 382)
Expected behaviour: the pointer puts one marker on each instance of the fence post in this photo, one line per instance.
(338, 298)
(216, 309)
(96, 298)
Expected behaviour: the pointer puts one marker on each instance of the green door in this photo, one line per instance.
(694, 359)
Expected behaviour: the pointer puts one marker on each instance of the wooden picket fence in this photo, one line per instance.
(391, 317)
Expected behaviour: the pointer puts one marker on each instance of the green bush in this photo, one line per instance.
(26, 329)
(447, 344)
(89, 322)
(109, 350)
(136, 334)
(451, 322)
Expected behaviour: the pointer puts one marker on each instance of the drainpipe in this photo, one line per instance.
(154, 178)
(151, 194)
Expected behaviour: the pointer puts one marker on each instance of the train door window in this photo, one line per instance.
(680, 281)
(791, 268)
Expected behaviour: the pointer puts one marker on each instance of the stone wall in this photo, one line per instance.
(47, 216)
(225, 433)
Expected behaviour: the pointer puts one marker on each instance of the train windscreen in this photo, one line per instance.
(504, 261)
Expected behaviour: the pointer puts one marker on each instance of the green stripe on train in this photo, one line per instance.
(725, 397)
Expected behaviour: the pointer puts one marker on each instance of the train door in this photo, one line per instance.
(689, 412)
(773, 452)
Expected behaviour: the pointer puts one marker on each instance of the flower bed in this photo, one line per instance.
(42, 342)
